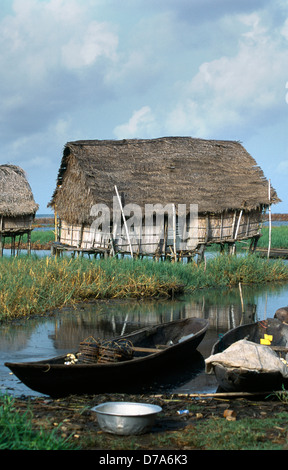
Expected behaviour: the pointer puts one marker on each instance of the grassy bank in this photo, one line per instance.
(17, 432)
(32, 285)
(40, 240)
(67, 423)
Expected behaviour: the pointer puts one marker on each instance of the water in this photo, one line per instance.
(61, 332)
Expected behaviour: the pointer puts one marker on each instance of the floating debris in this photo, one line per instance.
(70, 359)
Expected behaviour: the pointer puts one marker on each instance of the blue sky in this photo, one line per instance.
(113, 69)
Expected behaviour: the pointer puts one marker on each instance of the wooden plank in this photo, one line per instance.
(148, 350)
(223, 394)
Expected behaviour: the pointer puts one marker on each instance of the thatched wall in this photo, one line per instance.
(16, 198)
(220, 177)
(17, 205)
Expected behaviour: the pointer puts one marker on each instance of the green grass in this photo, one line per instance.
(279, 237)
(38, 237)
(32, 285)
(42, 237)
(17, 433)
(220, 434)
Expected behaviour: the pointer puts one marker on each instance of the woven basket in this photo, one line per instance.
(115, 351)
(89, 350)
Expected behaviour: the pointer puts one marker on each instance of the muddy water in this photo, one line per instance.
(61, 332)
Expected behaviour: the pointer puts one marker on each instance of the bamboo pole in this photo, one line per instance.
(269, 196)
(55, 223)
(221, 229)
(124, 220)
(174, 231)
(1, 237)
(238, 225)
(241, 297)
(233, 225)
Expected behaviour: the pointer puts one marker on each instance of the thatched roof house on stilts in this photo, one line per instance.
(17, 206)
(219, 178)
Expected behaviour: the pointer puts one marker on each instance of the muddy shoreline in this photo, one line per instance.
(73, 418)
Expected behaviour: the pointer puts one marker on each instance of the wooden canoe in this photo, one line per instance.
(243, 380)
(53, 377)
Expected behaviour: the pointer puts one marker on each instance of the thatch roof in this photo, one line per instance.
(16, 198)
(216, 175)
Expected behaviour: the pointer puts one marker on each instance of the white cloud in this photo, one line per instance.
(253, 21)
(56, 33)
(50, 52)
(140, 124)
(88, 45)
(237, 91)
(284, 30)
(282, 167)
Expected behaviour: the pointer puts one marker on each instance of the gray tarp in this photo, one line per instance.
(249, 356)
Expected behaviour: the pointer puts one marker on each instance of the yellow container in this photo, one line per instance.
(269, 337)
(265, 341)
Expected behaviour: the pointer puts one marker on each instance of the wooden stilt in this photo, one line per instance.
(13, 245)
(29, 243)
(19, 244)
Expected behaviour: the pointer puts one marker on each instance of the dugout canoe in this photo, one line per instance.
(241, 379)
(157, 350)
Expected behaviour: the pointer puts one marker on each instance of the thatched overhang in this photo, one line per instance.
(217, 175)
(16, 198)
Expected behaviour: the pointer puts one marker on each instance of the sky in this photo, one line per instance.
(115, 69)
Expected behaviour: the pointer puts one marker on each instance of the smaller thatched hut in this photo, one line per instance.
(219, 177)
(17, 206)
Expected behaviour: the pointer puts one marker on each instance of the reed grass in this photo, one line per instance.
(31, 285)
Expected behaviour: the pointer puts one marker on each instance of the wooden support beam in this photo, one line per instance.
(124, 220)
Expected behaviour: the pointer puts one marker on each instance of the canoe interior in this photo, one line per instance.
(254, 332)
(163, 338)
(54, 378)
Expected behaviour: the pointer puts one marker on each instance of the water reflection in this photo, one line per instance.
(61, 332)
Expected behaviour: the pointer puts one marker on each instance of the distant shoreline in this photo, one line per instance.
(283, 217)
